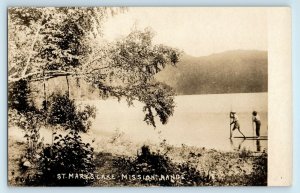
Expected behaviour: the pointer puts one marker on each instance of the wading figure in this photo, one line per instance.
(235, 123)
(256, 121)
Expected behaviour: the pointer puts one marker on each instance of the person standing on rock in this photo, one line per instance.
(235, 123)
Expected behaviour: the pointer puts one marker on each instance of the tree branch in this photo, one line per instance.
(40, 75)
(33, 44)
(31, 50)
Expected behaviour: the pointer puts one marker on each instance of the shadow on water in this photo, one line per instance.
(237, 145)
(258, 146)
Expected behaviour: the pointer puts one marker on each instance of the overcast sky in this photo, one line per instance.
(197, 31)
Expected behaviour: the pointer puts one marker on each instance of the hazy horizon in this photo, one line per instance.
(196, 31)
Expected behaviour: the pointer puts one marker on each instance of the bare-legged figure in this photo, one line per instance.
(235, 123)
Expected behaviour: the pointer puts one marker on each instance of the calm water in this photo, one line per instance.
(198, 120)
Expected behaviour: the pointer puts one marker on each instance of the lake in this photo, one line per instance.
(198, 120)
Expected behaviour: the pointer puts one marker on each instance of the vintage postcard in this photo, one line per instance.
(149, 96)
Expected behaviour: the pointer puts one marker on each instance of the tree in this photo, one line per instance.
(44, 42)
(47, 43)
(129, 73)
(63, 44)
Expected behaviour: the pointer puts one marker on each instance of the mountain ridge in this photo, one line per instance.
(234, 71)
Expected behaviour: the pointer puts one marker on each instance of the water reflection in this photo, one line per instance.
(258, 146)
(233, 144)
(237, 144)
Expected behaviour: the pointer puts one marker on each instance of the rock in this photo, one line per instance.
(27, 164)
(23, 160)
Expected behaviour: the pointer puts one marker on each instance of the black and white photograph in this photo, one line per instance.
(138, 96)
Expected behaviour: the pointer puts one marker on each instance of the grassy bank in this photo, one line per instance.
(199, 166)
(217, 168)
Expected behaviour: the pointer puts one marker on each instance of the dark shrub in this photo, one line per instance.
(64, 112)
(67, 156)
(151, 163)
(19, 97)
(146, 163)
(259, 175)
(84, 116)
(192, 176)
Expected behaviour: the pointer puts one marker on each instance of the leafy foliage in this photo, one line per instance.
(19, 97)
(64, 112)
(159, 97)
(30, 123)
(64, 46)
(259, 175)
(136, 56)
(131, 65)
(61, 42)
(67, 155)
(47, 43)
(151, 163)
(50, 38)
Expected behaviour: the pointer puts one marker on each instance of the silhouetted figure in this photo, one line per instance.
(257, 122)
(235, 123)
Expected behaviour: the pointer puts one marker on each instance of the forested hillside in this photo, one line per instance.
(239, 71)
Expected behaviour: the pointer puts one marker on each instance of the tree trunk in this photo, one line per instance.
(45, 96)
(46, 109)
(68, 86)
